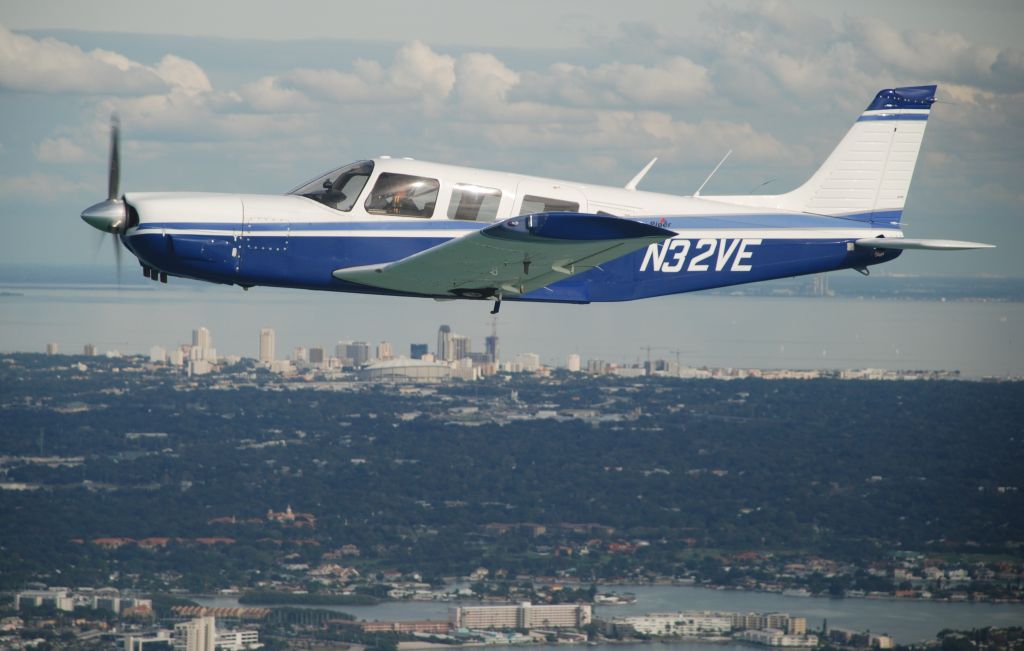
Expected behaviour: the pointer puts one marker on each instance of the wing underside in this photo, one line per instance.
(511, 257)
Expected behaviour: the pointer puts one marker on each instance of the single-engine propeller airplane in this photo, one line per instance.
(411, 228)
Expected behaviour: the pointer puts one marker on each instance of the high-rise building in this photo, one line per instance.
(417, 351)
(199, 634)
(573, 363)
(384, 351)
(52, 348)
(358, 352)
(491, 343)
(443, 352)
(341, 349)
(316, 355)
(201, 338)
(89, 350)
(300, 354)
(267, 343)
(460, 347)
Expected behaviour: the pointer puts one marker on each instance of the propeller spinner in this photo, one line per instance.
(110, 216)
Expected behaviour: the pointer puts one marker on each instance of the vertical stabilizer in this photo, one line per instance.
(868, 174)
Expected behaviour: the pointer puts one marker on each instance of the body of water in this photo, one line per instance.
(906, 621)
(979, 338)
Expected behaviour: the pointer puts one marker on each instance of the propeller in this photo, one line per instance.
(111, 215)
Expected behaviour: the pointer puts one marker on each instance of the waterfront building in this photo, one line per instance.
(524, 615)
(434, 626)
(267, 342)
(680, 624)
(777, 637)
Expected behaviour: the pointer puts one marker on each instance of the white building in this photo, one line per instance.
(526, 362)
(384, 351)
(405, 370)
(202, 345)
(573, 363)
(524, 615)
(59, 598)
(777, 637)
(238, 640)
(52, 348)
(199, 634)
(267, 343)
(680, 624)
(159, 637)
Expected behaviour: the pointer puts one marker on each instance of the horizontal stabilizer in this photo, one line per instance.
(925, 245)
(513, 257)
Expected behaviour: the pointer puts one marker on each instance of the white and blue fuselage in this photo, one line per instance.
(372, 213)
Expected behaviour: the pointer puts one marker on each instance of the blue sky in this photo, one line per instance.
(258, 97)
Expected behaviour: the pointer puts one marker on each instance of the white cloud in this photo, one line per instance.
(53, 67)
(61, 150)
(39, 187)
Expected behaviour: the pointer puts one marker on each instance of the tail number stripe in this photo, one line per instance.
(671, 255)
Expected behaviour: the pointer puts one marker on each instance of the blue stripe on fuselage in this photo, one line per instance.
(308, 262)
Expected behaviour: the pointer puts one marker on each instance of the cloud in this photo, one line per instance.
(39, 187)
(54, 67)
(60, 150)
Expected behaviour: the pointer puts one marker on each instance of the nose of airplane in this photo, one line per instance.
(107, 216)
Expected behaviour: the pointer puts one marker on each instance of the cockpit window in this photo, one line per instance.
(340, 188)
(474, 203)
(403, 195)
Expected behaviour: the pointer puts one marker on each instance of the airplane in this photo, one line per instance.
(404, 227)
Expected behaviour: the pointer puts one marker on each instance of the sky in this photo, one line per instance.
(260, 96)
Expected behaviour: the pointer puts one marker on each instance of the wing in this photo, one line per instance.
(514, 256)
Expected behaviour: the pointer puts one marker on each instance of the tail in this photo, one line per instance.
(867, 176)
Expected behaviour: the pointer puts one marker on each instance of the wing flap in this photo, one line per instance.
(514, 256)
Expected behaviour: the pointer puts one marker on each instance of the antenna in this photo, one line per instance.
(727, 154)
(640, 175)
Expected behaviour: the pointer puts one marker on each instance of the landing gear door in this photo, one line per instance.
(538, 196)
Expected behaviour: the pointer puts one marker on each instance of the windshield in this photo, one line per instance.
(339, 188)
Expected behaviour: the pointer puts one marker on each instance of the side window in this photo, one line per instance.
(403, 195)
(474, 203)
(533, 204)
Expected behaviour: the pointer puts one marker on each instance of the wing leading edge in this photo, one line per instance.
(511, 257)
